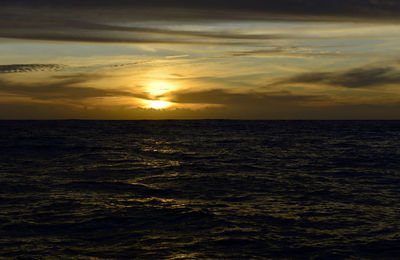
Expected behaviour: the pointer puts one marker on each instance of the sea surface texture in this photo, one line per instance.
(211, 189)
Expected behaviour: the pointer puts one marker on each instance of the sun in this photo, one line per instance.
(157, 90)
(157, 104)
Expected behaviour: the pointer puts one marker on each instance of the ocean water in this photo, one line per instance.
(212, 189)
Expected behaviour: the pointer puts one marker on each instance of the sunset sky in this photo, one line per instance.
(162, 59)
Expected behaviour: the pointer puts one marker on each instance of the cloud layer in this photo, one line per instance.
(123, 21)
(19, 68)
(63, 87)
(68, 96)
(366, 77)
(243, 99)
(221, 9)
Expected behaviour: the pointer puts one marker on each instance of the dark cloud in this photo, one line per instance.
(100, 21)
(221, 9)
(354, 78)
(34, 110)
(147, 36)
(63, 87)
(64, 96)
(38, 23)
(76, 25)
(248, 99)
(283, 51)
(19, 68)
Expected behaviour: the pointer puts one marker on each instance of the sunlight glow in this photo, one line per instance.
(159, 87)
(157, 90)
(157, 104)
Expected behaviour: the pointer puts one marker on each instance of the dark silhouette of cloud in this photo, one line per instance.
(284, 52)
(64, 29)
(100, 21)
(63, 87)
(368, 77)
(221, 9)
(19, 68)
(33, 110)
(28, 23)
(63, 97)
(249, 99)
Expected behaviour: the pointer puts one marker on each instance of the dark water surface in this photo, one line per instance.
(200, 189)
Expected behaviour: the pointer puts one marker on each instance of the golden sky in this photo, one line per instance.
(170, 60)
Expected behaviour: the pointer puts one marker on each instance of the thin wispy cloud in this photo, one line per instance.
(21, 68)
(248, 98)
(282, 52)
(112, 37)
(221, 10)
(67, 87)
(123, 21)
(365, 77)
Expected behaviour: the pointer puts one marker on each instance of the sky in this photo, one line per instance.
(170, 59)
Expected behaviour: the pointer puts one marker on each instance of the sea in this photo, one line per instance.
(202, 189)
